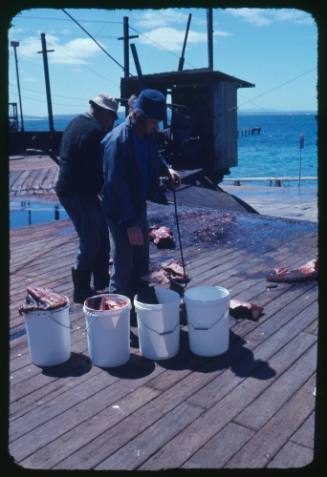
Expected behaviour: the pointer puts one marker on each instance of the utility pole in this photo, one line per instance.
(126, 39)
(47, 80)
(15, 44)
(182, 59)
(210, 38)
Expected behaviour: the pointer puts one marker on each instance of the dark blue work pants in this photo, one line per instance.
(89, 220)
(130, 262)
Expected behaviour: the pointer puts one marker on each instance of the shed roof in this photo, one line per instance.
(190, 76)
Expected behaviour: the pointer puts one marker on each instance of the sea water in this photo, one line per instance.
(275, 152)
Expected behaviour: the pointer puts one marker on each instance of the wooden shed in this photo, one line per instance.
(200, 130)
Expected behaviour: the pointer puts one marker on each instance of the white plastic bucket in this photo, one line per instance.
(108, 333)
(207, 310)
(48, 336)
(158, 325)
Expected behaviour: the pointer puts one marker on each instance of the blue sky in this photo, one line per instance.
(276, 49)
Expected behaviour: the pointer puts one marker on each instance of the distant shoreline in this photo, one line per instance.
(240, 113)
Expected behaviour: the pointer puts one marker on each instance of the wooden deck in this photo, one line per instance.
(252, 407)
(32, 174)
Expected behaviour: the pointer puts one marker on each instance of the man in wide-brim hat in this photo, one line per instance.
(79, 183)
(131, 177)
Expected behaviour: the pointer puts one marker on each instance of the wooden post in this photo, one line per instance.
(14, 44)
(47, 80)
(301, 146)
(181, 60)
(126, 39)
(210, 38)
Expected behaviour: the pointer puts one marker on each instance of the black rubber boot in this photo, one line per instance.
(82, 288)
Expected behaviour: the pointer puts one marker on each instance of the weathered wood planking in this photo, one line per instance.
(80, 416)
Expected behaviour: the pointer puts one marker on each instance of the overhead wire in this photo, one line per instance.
(95, 41)
(160, 45)
(67, 20)
(278, 86)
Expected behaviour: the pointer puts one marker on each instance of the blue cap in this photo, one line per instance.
(151, 103)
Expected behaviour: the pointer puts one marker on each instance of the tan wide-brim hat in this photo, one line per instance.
(106, 102)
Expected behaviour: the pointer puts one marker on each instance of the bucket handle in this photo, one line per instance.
(61, 324)
(223, 315)
(163, 333)
(94, 316)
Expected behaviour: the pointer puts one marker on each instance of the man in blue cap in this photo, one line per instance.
(131, 177)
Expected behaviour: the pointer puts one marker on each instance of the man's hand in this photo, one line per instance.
(135, 235)
(174, 178)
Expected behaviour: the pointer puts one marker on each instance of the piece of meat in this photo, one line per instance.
(175, 270)
(104, 303)
(247, 310)
(309, 267)
(161, 236)
(157, 277)
(41, 298)
(170, 273)
(308, 271)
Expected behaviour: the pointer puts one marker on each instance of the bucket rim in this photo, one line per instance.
(128, 305)
(225, 291)
(157, 306)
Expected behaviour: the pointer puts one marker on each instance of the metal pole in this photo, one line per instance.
(47, 80)
(181, 60)
(136, 60)
(301, 145)
(14, 44)
(126, 48)
(210, 38)
(126, 53)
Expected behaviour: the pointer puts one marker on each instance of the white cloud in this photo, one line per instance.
(296, 16)
(171, 38)
(264, 17)
(15, 30)
(221, 33)
(74, 52)
(255, 16)
(159, 18)
(167, 38)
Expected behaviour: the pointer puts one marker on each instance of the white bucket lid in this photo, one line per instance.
(206, 293)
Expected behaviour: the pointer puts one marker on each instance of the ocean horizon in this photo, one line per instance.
(275, 152)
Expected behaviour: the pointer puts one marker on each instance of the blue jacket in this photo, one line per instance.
(124, 199)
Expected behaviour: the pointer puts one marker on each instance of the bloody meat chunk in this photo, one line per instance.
(161, 236)
(40, 298)
(308, 271)
(249, 311)
(105, 302)
(175, 270)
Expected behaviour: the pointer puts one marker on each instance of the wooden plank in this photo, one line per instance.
(135, 452)
(51, 454)
(274, 397)
(292, 456)
(265, 444)
(235, 394)
(19, 184)
(113, 440)
(304, 436)
(27, 184)
(76, 405)
(13, 177)
(218, 450)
